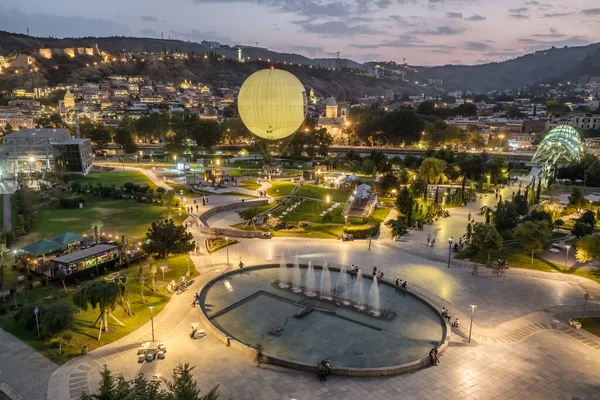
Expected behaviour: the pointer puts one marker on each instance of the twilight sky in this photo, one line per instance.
(426, 32)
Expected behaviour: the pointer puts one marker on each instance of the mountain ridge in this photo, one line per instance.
(545, 66)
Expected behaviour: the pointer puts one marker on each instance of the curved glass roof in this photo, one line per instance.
(562, 145)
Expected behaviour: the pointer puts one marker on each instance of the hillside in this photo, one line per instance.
(547, 66)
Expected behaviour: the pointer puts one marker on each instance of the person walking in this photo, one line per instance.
(428, 239)
(469, 217)
(259, 353)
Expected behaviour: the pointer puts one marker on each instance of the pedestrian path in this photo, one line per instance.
(72, 379)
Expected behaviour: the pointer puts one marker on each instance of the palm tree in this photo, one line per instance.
(102, 295)
(432, 169)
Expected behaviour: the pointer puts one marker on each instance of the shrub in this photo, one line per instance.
(76, 186)
(327, 218)
(71, 202)
(106, 191)
(54, 343)
(2, 310)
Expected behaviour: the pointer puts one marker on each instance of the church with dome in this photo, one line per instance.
(334, 119)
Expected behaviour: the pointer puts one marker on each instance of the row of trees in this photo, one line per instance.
(181, 386)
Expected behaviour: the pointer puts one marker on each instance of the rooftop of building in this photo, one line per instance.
(38, 132)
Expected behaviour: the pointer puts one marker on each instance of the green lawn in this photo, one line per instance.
(117, 178)
(83, 333)
(310, 191)
(319, 229)
(278, 189)
(120, 217)
(321, 193)
(592, 325)
(249, 184)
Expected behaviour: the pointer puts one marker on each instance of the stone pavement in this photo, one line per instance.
(521, 346)
(22, 369)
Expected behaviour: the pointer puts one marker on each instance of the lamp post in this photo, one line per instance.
(151, 306)
(345, 220)
(162, 268)
(449, 250)
(179, 209)
(567, 256)
(227, 248)
(175, 160)
(471, 327)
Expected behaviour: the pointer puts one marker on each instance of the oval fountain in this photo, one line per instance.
(301, 314)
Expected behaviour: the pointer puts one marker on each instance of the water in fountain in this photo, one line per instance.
(374, 298)
(358, 294)
(340, 285)
(342, 281)
(296, 277)
(310, 281)
(283, 273)
(325, 287)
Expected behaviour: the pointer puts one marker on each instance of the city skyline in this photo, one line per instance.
(425, 32)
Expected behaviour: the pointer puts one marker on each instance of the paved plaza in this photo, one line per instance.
(521, 348)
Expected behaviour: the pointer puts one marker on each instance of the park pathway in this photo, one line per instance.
(23, 370)
(7, 212)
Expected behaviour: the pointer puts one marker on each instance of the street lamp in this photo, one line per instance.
(345, 220)
(227, 247)
(567, 256)
(162, 268)
(31, 161)
(471, 327)
(151, 306)
(179, 209)
(449, 250)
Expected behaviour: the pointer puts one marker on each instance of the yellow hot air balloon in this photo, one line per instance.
(272, 103)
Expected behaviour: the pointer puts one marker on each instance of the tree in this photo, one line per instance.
(54, 121)
(532, 235)
(521, 204)
(164, 237)
(60, 274)
(124, 136)
(581, 229)
(181, 387)
(589, 218)
(248, 214)
(403, 200)
(99, 294)
(419, 188)
(577, 197)
(486, 238)
(57, 319)
(432, 169)
(8, 128)
(206, 133)
(588, 248)
(142, 282)
(100, 135)
(506, 216)
(398, 226)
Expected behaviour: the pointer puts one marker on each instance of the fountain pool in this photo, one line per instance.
(303, 328)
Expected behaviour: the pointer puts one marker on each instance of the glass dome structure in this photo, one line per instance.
(561, 146)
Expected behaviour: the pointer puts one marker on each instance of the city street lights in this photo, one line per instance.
(31, 161)
(162, 268)
(501, 136)
(151, 306)
(345, 220)
(449, 250)
(471, 327)
(227, 247)
(567, 256)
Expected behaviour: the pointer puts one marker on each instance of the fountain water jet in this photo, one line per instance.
(283, 273)
(358, 293)
(342, 281)
(374, 298)
(325, 286)
(296, 278)
(310, 281)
